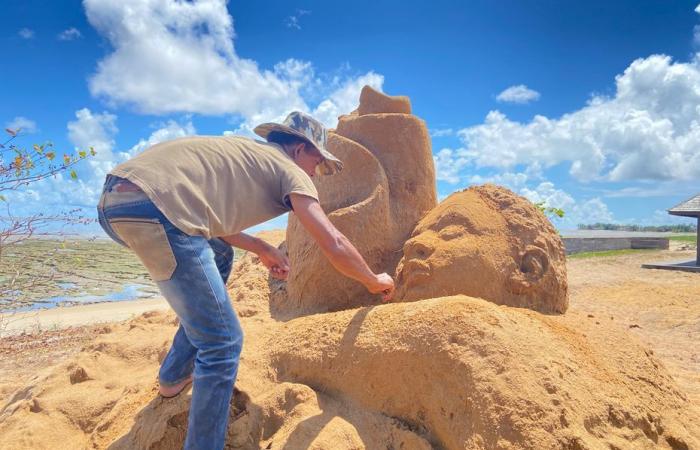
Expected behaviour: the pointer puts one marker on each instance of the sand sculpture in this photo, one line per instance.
(489, 243)
(453, 372)
(473, 375)
(387, 185)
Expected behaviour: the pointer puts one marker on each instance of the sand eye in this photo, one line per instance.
(451, 232)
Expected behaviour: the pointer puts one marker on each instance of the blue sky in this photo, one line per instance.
(589, 106)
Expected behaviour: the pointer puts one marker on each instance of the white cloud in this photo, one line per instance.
(170, 56)
(449, 164)
(593, 210)
(22, 124)
(96, 130)
(70, 34)
(518, 94)
(345, 98)
(293, 20)
(648, 131)
(168, 131)
(441, 132)
(26, 33)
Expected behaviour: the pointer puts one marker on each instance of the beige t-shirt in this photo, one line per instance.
(216, 186)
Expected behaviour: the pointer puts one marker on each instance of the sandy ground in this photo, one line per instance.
(32, 322)
(660, 307)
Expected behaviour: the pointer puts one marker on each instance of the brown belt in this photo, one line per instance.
(126, 186)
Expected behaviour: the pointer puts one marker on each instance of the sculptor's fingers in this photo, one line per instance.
(279, 273)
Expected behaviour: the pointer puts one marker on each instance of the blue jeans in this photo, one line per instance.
(191, 273)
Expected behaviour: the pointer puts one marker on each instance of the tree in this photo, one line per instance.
(550, 211)
(21, 167)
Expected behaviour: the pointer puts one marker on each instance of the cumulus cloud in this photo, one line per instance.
(518, 94)
(70, 34)
(22, 124)
(593, 210)
(166, 132)
(450, 163)
(170, 56)
(648, 131)
(96, 130)
(26, 33)
(345, 98)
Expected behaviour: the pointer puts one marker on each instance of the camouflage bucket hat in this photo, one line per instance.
(309, 129)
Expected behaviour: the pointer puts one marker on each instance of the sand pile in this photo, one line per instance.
(470, 374)
(451, 372)
(486, 242)
(386, 186)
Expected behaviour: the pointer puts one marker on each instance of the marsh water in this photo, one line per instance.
(41, 273)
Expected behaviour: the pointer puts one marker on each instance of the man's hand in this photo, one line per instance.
(337, 248)
(383, 284)
(271, 257)
(276, 261)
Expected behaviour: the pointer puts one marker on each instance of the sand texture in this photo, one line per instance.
(490, 243)
(386, 186)
(436, 371)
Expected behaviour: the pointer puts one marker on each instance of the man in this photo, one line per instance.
(181, 204)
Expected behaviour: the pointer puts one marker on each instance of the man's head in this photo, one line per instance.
(304, 154)
(312, 133)
(485, 242)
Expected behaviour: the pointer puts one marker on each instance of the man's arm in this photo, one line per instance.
(337, 248)
(271, 257)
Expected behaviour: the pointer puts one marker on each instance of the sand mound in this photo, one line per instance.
(490, 243)
(470, 374)
(87, 401)
(386, 186)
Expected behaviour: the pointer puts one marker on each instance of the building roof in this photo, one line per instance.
(688, 208)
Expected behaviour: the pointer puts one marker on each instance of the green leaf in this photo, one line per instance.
(73, 175)
(2, 198)
(82, 153)
(92, 151)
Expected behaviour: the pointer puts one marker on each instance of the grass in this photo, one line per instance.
(607, 253)
(685, 238)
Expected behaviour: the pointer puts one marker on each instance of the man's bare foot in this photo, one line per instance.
(175, 389)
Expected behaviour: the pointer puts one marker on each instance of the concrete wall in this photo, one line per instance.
(578, 245)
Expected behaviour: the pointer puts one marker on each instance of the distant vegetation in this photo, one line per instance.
(685, 228)
(607, 253)
(687, 238)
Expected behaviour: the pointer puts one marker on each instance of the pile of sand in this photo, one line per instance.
(452, 372)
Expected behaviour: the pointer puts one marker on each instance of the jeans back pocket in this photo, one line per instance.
(147, 238)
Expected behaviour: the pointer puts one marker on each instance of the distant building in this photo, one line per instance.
(690, 208)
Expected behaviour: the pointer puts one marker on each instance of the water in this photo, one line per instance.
(128, 292)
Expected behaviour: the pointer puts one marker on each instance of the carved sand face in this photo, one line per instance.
(465, 245)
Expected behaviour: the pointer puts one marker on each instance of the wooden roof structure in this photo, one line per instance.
(688, 208)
